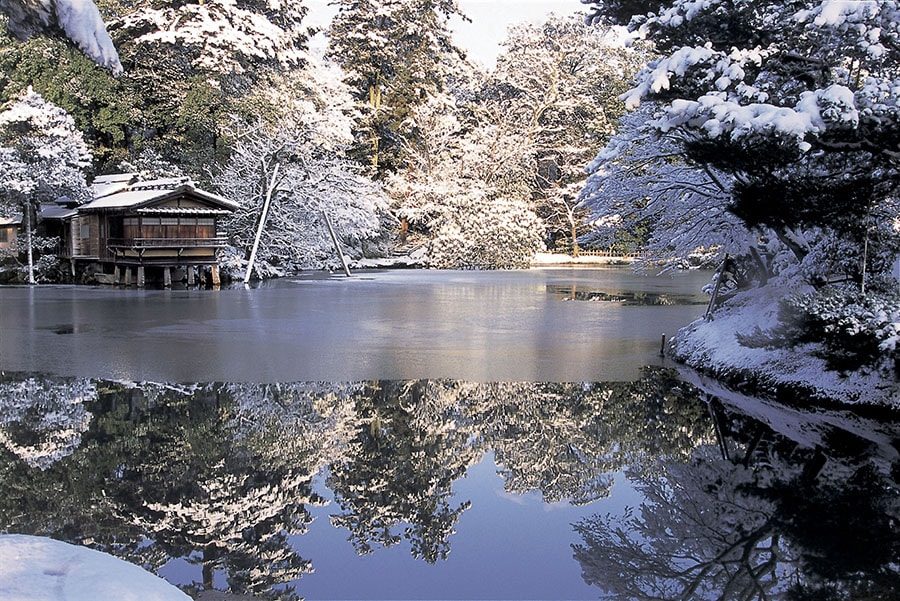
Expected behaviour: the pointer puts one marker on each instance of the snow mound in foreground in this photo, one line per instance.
(34, 568)
(714, 347)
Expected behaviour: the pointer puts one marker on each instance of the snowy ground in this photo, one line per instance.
(552, 259)
(34, 568)
(713, 347)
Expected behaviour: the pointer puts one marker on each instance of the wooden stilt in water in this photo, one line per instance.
(214, 275)
(141, 276)
(190, 275)
(167, 277)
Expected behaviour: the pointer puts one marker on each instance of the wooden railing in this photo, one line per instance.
(166, 242)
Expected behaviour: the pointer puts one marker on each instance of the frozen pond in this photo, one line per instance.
(520, 326)
(429, 435)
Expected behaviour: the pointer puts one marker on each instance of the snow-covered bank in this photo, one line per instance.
(34, 568)
(555, 259)
(795, 375)
(419, 258)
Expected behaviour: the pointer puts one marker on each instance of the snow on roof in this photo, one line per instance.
(56, 211)
(181, 211)
(122, 191)
(14, 220)
(115, 178)
(105, 185)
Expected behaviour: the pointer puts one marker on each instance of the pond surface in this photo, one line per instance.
(430, 435)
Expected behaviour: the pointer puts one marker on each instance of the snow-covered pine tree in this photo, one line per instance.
(798, 103)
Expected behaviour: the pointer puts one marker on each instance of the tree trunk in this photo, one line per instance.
(26, 210)
(574, 232)
(375, 102)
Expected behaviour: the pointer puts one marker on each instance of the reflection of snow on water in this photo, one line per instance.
(41, 421)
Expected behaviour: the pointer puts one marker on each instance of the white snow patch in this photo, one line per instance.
(714, 346)
(34, 568)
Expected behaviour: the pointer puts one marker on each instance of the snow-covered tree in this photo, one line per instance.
(187, 66)
(396, 55)
(644, 194)
(562, 79)
(465, 190)
(78, 20)
(478, 231)
(282, 161)
(42, 157)
(797, 102)
(232, 37)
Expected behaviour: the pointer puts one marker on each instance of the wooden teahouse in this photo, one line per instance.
(167, 226)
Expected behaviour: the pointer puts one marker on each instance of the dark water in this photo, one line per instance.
(369, 444)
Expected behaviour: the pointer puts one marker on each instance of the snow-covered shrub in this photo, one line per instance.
(854, 330)
(486, 234)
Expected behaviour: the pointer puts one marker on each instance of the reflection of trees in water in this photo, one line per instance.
(190, 469)
(768, 519)
(413, 444)
(568, 440)
(221, 474)
(42, 419)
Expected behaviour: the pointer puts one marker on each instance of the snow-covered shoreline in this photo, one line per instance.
(794, 376)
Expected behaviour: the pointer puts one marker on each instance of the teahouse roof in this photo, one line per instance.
(121, 192)
(57, 211)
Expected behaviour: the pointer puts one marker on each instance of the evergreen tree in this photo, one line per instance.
(396, 55)
(187, 68)
(798, 103)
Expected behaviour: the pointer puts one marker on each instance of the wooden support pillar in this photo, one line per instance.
(214, 274)
(190, 274)
(117, 275)
(141, 276)
(128, 276)
(167, 277)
